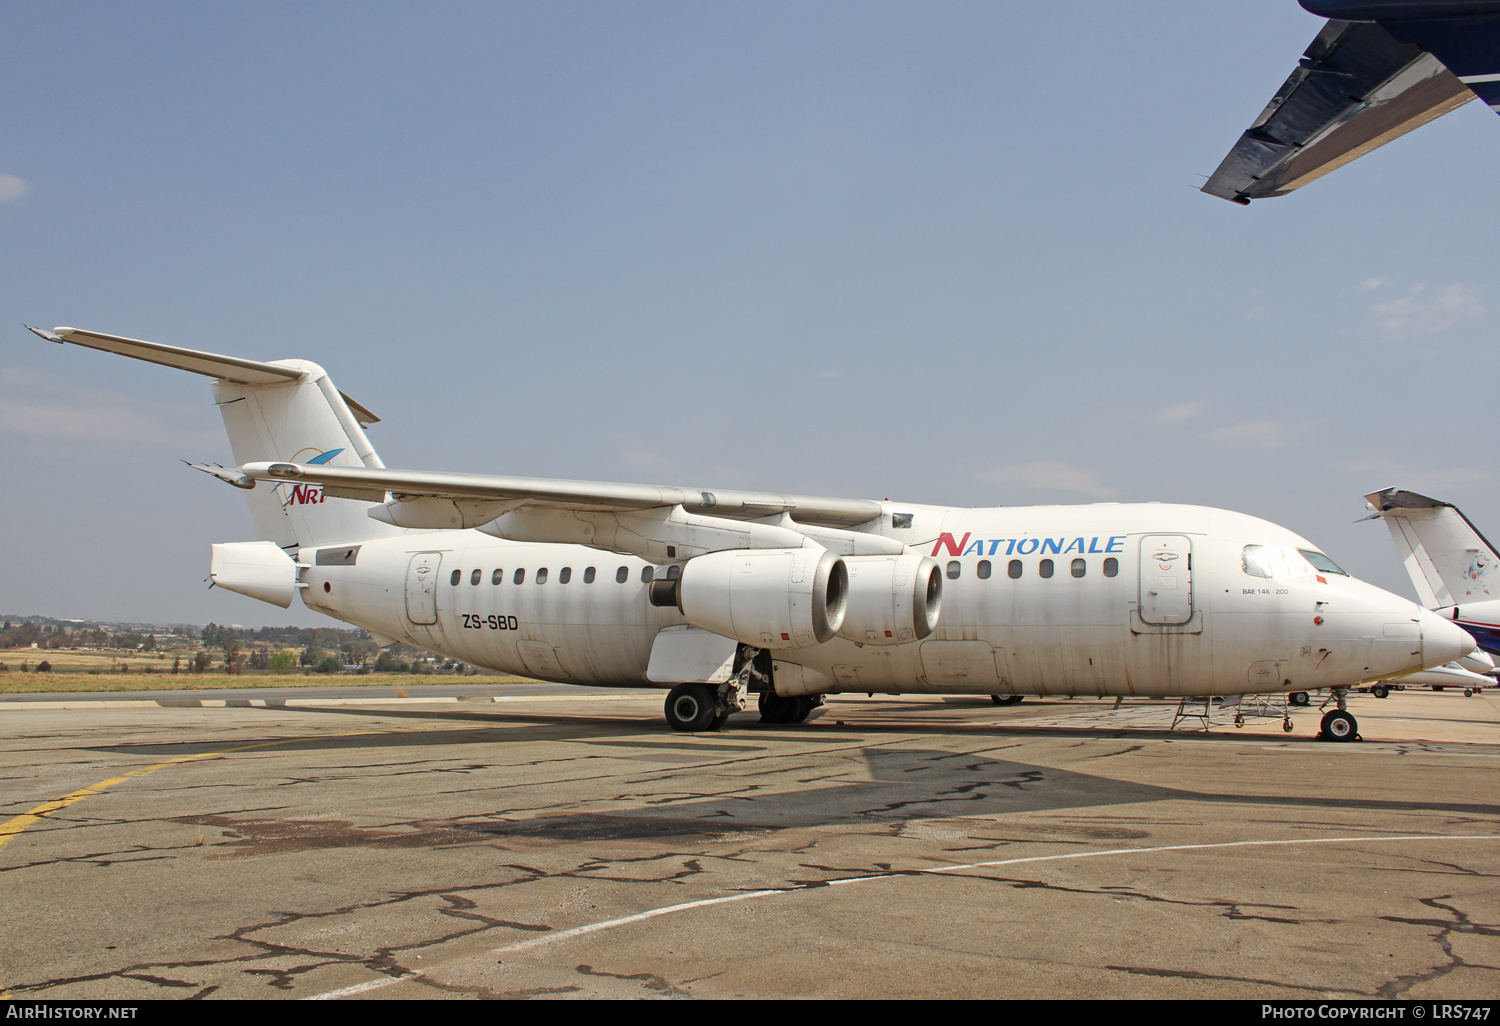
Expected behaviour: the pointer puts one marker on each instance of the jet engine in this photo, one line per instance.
(892, 599)
(769, 598)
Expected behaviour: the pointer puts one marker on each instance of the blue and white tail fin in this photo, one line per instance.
(1450, 563)
(285, 410)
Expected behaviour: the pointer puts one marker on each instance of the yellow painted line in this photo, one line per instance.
(13, 827)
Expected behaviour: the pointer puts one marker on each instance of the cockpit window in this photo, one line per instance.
(1275, 561)
(1322, 562)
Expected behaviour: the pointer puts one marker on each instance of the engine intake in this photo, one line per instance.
(770, 598)
(892, 599)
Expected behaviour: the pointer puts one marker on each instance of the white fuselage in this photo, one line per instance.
(1178, 614)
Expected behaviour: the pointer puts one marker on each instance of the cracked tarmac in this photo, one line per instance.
(889, 848)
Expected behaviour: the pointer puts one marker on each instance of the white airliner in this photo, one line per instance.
(722, 594)
(1456, 572)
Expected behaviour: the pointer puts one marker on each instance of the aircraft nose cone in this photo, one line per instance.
(1443, 641)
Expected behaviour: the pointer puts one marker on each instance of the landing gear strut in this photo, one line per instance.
(1339, 725)
(698, 707)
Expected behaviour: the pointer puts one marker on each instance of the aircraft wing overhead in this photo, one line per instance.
(572, 495)
(1356, 88)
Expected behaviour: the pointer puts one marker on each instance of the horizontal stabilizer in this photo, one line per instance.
(213, 365)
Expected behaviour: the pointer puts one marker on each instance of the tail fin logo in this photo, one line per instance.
(306, 494)
(1476, 571)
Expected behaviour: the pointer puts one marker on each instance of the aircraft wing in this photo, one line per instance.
(1356, 88)
(436, 500)
(588, 496)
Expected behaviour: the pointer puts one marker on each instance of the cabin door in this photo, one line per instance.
(421, 587)
(1166, 579)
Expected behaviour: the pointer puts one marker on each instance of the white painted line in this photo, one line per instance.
(634, 695)
(360, 988)
(302, 702)
(607, 924)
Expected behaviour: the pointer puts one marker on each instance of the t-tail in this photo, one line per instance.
(284, 410)
(1454, 568)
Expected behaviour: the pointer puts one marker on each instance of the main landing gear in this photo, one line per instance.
(1007, 699)
(694, 707)
(776, 708)
(698, 707)
(1338, 724)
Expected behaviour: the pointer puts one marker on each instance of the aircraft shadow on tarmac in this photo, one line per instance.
(758, 786)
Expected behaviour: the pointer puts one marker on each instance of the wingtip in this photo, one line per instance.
(50, 336)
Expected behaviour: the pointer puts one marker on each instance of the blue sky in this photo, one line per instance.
(943, 252)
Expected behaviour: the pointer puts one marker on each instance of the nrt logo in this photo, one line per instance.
(307, 494)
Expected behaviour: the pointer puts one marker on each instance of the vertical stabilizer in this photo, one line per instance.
(305, 420)
(1450, 563)
(286, 410)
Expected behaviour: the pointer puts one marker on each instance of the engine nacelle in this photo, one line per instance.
(892, 599)
(769, 598)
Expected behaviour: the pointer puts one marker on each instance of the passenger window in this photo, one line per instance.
(541, 576)
(475, 577)
(588, 576)
(982, 571)
(647, 572)
(1045, 568)
(565, 575)
(954, 569)
(1079, 568)
(1111, 567)
(674, 572)
(520, 576)
(622, 575)
(1014, 569)
(458, 575)
(497, 576)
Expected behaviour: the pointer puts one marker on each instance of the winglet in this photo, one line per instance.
(44, 333)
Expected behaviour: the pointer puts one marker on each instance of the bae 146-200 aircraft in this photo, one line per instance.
(720, 594)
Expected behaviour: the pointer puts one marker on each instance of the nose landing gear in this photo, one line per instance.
(1338, 724)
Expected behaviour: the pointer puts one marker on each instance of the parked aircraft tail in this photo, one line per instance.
(286, 410)
(1450, 563)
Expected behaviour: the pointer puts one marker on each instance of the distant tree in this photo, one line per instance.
(44, 667)
(149, 645)
(177, 664)
(283, 660)
(200, 661)
(230, 643)
(259, 658)
(329, 664)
